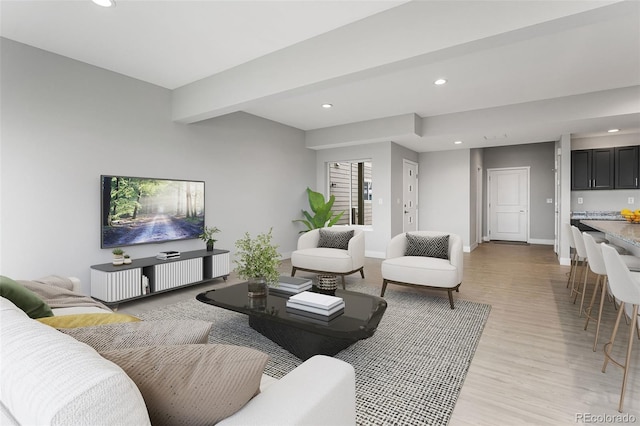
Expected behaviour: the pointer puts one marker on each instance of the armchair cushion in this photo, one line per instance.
(192, 384)
(334, 239)
(428, 246)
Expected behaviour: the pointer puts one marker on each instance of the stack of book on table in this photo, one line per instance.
(315, 305)
(290, 285)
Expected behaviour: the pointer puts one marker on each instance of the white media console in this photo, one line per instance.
(145, 277)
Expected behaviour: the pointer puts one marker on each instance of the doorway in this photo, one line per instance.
(508, 208)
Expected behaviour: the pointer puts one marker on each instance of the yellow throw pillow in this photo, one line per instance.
(86, 320)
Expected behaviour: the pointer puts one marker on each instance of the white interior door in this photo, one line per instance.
(410, 196)
(509, 204)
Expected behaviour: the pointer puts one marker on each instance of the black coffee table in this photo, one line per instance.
(303, 337)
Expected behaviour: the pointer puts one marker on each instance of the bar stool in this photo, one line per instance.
(596, 264)
(625, 286)
(581, 255)
(573, 262)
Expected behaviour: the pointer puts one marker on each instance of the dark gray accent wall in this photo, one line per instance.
(540, 158)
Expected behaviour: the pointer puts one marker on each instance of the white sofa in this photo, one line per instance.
(309, 257)
(50, 378)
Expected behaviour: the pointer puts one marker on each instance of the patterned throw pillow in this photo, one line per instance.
(427, 246)
(335, 239)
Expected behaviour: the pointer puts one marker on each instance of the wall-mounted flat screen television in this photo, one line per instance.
(137, 210)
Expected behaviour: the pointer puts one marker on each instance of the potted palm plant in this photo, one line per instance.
(257, 260)
(207, 236)
(322, 213)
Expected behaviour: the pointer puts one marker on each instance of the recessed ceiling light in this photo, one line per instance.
(440, 82)
(457, 142)
(105, 3)
(327, 106)
(613, 130)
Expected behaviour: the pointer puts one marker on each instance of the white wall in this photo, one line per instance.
(64, 123)
(444, 188)
(398, 155)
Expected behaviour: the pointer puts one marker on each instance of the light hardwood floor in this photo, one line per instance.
(534, 363)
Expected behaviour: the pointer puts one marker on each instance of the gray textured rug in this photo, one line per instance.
(409, 373)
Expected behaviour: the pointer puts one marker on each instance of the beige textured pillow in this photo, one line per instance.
(109, 337)
(192, 384)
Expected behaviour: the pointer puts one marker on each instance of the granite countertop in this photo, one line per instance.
(629, 232)
(597, 215)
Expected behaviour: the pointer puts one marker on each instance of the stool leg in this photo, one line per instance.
(588, 309)
(634, 317)
(584, 286)
(603, 289)
(609, 345)
(571, 268)
(573, 280)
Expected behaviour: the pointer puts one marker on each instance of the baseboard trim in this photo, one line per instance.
(541, 241)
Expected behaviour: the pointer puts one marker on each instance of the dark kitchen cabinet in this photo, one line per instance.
(592, 169)
(627, 167)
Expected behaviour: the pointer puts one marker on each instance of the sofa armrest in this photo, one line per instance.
(321, 391)
(309, 239)
(356, 249)
(397, 246)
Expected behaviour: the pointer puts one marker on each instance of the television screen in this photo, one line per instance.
(142, 210)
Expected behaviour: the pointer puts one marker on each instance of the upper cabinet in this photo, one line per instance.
(627, 160)
(592, 169)
(605, 168)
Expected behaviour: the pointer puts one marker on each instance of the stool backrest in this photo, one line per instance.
(623, 286)
(594, 254)
(572, 243)
(579, 243)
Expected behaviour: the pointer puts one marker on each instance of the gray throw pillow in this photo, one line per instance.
(109, 337)
(335, 239)
(427, 246)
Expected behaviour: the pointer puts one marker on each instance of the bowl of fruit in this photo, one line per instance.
(631, 216)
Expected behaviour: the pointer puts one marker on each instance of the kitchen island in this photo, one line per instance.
(621, 233)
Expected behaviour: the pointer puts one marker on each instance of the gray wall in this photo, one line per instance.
(64, 123)
(540, 158)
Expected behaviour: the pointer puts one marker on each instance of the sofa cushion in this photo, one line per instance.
(335, 239)
(86, 320)
(427, 246)
(48, 378)
(24, 298)
(143, 333)
(192, 384)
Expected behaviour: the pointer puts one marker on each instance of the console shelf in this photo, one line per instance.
(149, 276)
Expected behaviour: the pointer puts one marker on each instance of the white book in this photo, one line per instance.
(315, 310)
(317, 300)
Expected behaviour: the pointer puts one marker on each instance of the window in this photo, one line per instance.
(351, 183)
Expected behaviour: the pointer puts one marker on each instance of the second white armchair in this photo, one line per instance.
(337, 250)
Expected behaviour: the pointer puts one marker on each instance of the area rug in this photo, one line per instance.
(410, 372)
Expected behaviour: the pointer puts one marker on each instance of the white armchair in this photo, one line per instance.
(431, 272)
(309, 257)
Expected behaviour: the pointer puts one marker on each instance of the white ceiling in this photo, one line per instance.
(518, 71)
